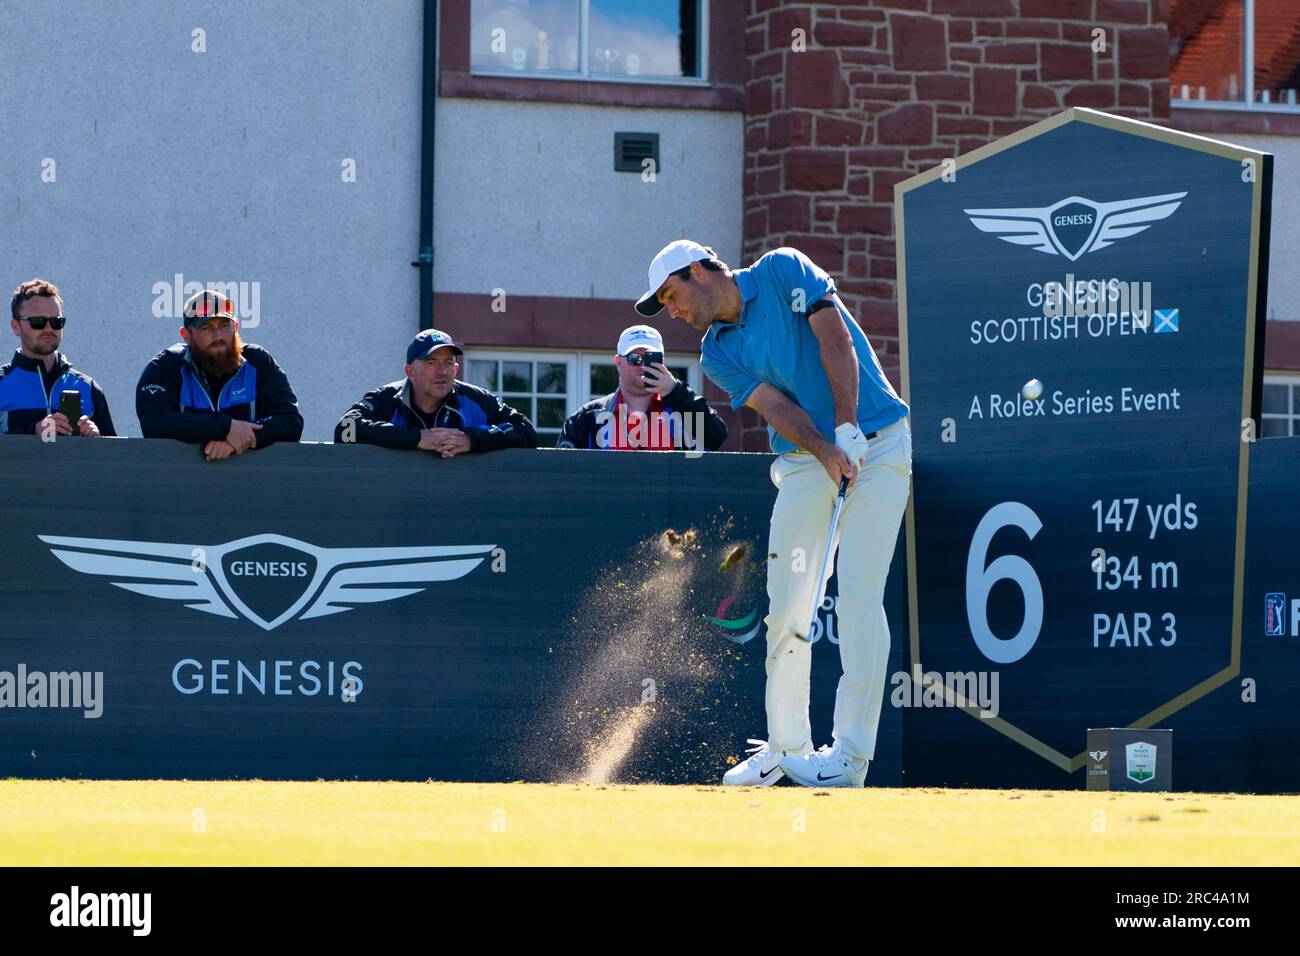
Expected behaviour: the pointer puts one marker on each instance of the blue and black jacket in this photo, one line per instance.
(28, 394)
(387, 416)
(174, 399)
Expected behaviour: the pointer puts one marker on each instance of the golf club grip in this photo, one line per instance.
(844, 486)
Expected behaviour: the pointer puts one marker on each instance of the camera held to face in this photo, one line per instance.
(645, 360)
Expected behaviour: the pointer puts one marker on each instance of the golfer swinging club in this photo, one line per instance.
(778, 339)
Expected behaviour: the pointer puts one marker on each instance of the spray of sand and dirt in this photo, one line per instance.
(650, 678)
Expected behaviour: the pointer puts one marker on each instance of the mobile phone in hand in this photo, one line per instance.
(651, 358)
(70, 406)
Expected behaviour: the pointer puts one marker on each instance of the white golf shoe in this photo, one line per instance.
(761, 768)
(827, 767)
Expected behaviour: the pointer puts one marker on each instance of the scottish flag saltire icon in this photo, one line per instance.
(1166, 320)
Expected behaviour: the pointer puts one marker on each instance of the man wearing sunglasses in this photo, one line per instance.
(213, 389)
(434, 411)
(650, 410)
(33, 382)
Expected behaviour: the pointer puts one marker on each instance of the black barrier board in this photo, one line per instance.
(352, 612)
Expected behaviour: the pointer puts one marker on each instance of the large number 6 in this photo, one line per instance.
(1011, 567)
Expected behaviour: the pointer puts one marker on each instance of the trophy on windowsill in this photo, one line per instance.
(606, 58)
(543, 51)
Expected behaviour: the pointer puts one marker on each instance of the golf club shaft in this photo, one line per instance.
(815, 601)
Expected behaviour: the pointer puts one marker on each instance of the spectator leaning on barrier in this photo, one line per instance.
(650, 410)
(214, 389)
(34, 380)
(432, 410)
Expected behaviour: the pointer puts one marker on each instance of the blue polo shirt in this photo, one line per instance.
(773, 343)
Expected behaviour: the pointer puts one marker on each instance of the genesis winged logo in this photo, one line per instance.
(267, 578)
(1098, 755)
(1075, 226)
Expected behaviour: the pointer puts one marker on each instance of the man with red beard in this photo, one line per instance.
(215, 390)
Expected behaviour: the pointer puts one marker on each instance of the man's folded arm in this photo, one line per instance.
(364, 424)
(507, 428)
(277, 405)
(157, 405)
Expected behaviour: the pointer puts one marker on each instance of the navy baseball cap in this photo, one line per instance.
(429, 341)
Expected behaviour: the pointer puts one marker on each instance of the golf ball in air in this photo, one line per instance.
(1032, 389)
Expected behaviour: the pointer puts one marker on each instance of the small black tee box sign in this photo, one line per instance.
(1124, 759)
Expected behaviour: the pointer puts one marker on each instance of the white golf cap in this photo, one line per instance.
(676, 255)
(640, 337)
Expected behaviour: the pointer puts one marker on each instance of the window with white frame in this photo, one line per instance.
(541, 385)
(1235, 54)
(625, 40)
(548, 387)
(1280, 414)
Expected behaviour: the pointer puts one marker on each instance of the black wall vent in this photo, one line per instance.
(631, 150)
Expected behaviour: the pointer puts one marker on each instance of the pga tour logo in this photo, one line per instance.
(1275, 615)
(1075, 226)
(267, 578)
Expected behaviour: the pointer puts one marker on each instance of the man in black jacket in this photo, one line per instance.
(33, 382)
(214, 389)
(651, 410)
(432, 410)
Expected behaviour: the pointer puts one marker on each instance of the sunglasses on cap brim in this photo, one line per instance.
(214, 309)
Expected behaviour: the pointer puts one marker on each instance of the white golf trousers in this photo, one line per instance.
(868, 532)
